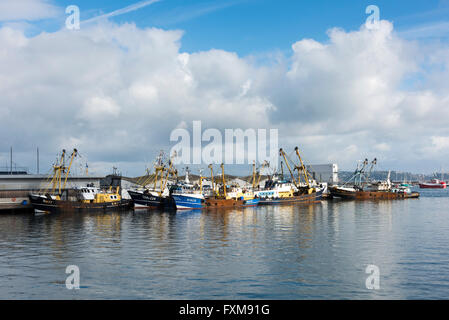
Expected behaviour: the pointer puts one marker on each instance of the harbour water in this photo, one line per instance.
(279, 252)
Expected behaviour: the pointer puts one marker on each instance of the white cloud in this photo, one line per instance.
(382, 147)
(99, 108)
(116, 92)
(440, 143)
(16, 10)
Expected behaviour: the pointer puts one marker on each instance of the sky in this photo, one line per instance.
(136, 70)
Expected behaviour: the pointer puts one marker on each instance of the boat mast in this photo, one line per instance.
(254, 175)
(74, 153)
(201, 181)
(282, 169)
(159, 167)
(373, 163)
(224, 181)
(57, 173)
(166, 177)
(303, 168)
(360, 172)
(156, 175)
(212, 177)
(259, 173)
(282, 153)
(162, 177)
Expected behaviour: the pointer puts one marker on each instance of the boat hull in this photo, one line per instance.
(314, 197)
(54, 206)
(370, 195)
(149, 201)
(213, 203)
(188, 202)
(432, 186)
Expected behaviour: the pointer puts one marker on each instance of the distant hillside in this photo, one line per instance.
(192, 177)
(394, 176)
(342, 175)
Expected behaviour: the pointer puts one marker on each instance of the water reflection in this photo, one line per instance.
(285, 252)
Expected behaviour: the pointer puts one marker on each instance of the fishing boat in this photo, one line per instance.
(281, 191)
(364, 189)
(433, 184)
(188, 201)
(155, 197)
(186, 196)
(147, 199)
(57, 198)
(284, 192)
(235, 199)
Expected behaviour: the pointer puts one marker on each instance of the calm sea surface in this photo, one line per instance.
(283, 252)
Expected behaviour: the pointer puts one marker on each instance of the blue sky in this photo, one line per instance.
(258, 26)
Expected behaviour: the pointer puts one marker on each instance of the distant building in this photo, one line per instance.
(38, 181)
(324, 172)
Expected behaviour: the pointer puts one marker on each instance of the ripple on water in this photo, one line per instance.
(286, 252)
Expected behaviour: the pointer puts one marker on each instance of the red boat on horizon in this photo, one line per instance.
(433, 184)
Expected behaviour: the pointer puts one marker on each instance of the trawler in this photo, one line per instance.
(234, 199)
(56, 198)
(364, 189)
(186, 196)
(155, 198)
(282, 191)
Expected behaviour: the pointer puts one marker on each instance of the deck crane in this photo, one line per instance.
(282, 169)
(362, 170)
(148, 179)
(158, 169)
(170, 171)
(72, 156)
(302, 168)
(212, 177)
(368, 176)
(224, 180)
(254, 175)
(201, 181)
(58, 170)
(359, 173)
(282, 153)
(264, 164)
(57, 173)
